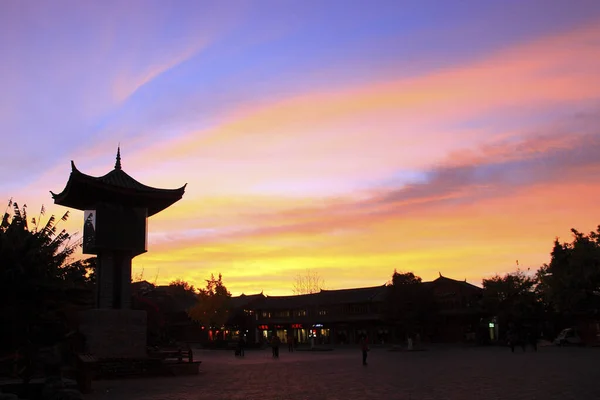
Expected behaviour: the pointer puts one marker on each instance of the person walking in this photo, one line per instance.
(275, 342)
(241, 345)
(364, 346)
(515, 338)
(532, 337)
(290, 342)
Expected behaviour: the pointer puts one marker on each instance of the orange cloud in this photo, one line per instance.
(465, 241)
(459, 222)
(486, 198)
(553, 70)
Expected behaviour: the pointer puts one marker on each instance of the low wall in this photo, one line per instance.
(114, 333)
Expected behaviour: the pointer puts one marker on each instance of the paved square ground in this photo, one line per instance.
(439, 373)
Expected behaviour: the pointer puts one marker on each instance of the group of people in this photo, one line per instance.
(522, 337)
(276, 342)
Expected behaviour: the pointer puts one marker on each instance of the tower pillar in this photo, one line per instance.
(113, 288)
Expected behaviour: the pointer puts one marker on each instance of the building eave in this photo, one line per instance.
(82, 191)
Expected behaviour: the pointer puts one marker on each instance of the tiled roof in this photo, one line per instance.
(119, 178)
(287, 302)
(171, 299)
(343, 296)
(347, 296)
(83, 191)
(464, 284)
(244, 300)
(322, 298)
(143, 286)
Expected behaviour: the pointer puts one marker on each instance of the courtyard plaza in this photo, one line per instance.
(440, 372)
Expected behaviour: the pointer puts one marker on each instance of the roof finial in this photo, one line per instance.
(118, 163)
(439, 272)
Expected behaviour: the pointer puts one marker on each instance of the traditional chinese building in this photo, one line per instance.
(242, 320)
(459, 309)
(329, 316)
(342, 316)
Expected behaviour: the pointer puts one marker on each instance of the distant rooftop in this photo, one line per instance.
(335, 296)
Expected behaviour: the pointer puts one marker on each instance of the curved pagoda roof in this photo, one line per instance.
(84, 191)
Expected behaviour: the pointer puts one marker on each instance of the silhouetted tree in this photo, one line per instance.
(512, 297)
(307, 283)
(39, 284)
(181, 285)
(212, 308)
(409, 304)
(140, 277)
(82, 272)
(570, 283)
(404, 278)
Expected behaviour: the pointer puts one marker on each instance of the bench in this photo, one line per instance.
(173, 353)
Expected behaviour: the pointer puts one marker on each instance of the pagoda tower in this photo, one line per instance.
(116, 209)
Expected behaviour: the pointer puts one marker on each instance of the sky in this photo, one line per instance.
(348, 138)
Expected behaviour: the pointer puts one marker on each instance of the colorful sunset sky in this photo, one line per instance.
(351, 138)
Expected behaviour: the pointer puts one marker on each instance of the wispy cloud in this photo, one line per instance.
(496, 171)
(471, 208)
(551, 71)
(127, 85)
(462, 169)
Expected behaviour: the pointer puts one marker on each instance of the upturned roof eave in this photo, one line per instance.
(98, 180)
(166, 197)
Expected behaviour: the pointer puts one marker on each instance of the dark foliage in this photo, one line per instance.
(410, 304)
(40, 286)
(570, 283)
(213, 306)
(560, 294)
(512, 297)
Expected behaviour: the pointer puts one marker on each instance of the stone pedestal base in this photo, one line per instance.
(114, 333)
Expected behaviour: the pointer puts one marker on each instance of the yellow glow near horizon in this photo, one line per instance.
(461, 170)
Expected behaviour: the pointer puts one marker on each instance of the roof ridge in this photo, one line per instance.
(358, 288)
